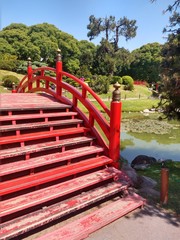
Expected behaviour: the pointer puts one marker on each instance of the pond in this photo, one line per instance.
(159, 146)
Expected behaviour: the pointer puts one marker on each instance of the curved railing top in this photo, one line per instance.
(43, 78)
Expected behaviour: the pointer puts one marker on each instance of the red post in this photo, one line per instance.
(29, 72)
(13, 88)
(164, 185)
(58, 73)
(115, 120)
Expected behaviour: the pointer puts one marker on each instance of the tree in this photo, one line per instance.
(123, 60)
(112, 28)
(126, 28)
(94, 27)
(145, 62)
(104, 60)
(8, 62)
(170, 67)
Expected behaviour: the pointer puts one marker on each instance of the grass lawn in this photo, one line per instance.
(154, 172)
(4, 73)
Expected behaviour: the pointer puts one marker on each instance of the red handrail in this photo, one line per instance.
(32, 83)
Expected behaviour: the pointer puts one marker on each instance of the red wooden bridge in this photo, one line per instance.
(55, 164)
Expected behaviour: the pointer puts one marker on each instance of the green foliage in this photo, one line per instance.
(8, 62)
(145, 63)
(170, 100)
(170, 70)
(22, 68)
(8, 80)
(128, 82)
(116, 79)
(154, 172)
(99, 83)
(113, 28)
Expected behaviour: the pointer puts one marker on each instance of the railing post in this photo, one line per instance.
(58, 73)
(29, 72)
(13, 88)
(164, 185)
(115, 120)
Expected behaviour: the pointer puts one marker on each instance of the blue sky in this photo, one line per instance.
(72, 16)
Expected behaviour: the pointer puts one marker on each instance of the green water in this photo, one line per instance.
(160, 146)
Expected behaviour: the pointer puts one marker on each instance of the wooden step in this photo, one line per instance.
(40, 218)
(44, 195)
(52, 175)
(46, 160)
(35, 148)
(29, 101)
(36, 116)
(42, 135)
(26, 126)
(82, 227)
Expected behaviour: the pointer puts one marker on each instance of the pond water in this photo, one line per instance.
(159, 146)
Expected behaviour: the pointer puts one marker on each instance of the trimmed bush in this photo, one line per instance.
(116, 79)
(128, 82)
(8, 80)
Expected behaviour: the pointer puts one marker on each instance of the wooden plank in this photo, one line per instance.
(25, 126)
(40, 218)
(33, 163)
(13, 152)
(81, 228)
(36, 115)
(40, 196)
(51, 175)
(22, 101)
(41, 135)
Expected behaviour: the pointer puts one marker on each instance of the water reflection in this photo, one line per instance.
(165, 146)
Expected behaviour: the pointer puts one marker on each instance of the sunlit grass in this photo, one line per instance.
(154, 172)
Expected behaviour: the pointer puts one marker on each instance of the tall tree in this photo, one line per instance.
(170, 68)
(145, 62)
(112, 28)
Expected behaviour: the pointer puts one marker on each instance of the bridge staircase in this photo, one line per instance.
(55, 167)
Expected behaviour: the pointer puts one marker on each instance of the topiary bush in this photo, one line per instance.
(128, 82)
(8, 80)
(116, 79)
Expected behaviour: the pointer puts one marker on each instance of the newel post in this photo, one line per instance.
(58, 73)
(29, 72)
(115, 122)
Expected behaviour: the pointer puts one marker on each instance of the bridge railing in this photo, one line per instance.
(53, 82)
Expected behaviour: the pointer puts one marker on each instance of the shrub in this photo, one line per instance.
(116, 79)
(8, 80)
(99, 83)
(128, 82)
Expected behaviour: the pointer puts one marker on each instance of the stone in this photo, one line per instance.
(131, 173)
(148, 182)
(143, 159)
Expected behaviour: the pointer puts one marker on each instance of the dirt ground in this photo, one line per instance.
(150, 223)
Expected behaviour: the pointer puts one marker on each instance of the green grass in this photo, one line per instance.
(138, 105)
(4, 73)
(154, 172)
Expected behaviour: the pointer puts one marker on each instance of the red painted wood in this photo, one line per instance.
(114, 138)
(25, 126)
(81, 228)
(21, 101)
(34, 116)
(42, 135)
(13, 152)
(40, 218)
(40, 196)
(19, 166)
(51, 175)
